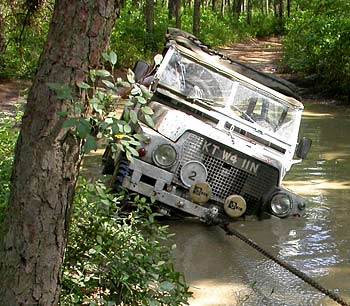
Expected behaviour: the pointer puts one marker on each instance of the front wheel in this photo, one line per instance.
(108, 161)
(121, 170)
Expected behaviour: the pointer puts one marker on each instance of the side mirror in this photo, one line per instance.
(140, 69)
(303, 147)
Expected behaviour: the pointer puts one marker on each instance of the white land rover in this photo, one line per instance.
(222, 142)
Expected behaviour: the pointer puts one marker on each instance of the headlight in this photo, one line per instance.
(281, 204)
(164, 155)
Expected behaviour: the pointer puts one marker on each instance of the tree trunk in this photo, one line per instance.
(223, 6)
(214, 5)
(171, 9)
(237, 8)
(178, 13)
(47, 157)
(196, 17)
(267, 7)
(150, 16)
(250, 12)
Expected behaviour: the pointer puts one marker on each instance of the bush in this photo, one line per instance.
(115, 259)
(8, 138)
(318, 42)
(22, 44)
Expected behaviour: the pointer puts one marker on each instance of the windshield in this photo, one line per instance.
(229, 96)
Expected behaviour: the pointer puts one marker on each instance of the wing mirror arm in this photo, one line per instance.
(303, 147)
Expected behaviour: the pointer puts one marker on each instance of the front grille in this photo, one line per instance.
(226, 179)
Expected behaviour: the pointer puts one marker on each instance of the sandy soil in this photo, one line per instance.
(261, 54)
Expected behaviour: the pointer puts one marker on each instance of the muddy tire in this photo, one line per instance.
(121, 170)
(108, 161)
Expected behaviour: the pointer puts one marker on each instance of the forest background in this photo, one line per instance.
(316, 34)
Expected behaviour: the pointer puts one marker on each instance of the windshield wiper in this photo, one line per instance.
(204, 101)
(244, 114)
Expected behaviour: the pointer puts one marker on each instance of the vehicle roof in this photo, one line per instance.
(191, 45)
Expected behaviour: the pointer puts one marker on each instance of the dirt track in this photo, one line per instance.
(11, 93)
(263, 55)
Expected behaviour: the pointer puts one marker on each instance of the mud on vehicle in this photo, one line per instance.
(224, 137)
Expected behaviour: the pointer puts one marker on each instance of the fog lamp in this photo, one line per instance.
(164, 155)
(281, 204)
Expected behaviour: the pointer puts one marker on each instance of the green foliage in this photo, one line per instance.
(8, 137)
(115, 259)
(24, 37)
(95, 114)
(318, 42)
(265, 26)
(130, 39)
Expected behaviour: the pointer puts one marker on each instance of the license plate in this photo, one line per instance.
(230, 158)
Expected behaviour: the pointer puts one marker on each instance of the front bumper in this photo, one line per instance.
(162, 179)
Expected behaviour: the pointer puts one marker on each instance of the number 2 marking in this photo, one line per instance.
(193, 175)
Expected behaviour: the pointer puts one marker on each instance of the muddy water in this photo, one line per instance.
(224, 271)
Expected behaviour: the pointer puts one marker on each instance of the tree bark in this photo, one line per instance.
(171, 9)
(178, 13)
(237, 8)
(47, 157)
(196, 17)
(250, 12)
(150, 16)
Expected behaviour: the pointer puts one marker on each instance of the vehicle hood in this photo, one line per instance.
(172, 124)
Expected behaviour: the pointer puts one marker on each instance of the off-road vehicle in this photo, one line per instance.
(224, 137)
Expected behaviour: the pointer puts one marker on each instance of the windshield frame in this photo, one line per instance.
(236, 80)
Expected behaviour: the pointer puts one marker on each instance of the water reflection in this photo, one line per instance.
(323, 179)
(318, 244)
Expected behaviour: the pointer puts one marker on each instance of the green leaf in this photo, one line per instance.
(149, 120)
(166, 286)
(123, 83)
(113, 57)
(83, 128)
(63, 114)
(109, 120)
(134, 143)
(108, 84)
(129, 156)
(145, 92)
(136, 90)
(63, 92)
(129, 103)
(92, 75)
(133, 116)
(132, 151)
(127, 129)
(141, 100)
(90, 144)
(70, 123)
(106, 57)
(83, 85)
(99, 239)
(147, 110)
(141, 137)
(102, 73)
(130, 76)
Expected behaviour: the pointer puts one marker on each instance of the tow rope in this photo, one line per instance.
(285, 265)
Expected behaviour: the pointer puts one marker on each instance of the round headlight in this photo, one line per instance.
(164, 155)
(281, 205)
